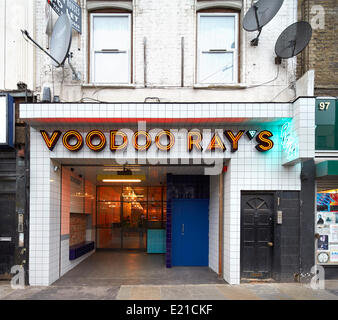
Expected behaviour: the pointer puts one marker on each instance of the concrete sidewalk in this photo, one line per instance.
(256, 291)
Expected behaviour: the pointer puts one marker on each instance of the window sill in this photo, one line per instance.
(221, 86)
(109, 85)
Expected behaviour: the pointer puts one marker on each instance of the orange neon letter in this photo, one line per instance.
(264, 143)
(216, 143)
(51, 141)
(135, 140)
(113, 145)
(98, 134)
(234, 138)
(194, 142)
(68, 136)
(171, 141)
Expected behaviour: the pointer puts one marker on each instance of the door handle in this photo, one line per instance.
(182, 229)
(270, 244)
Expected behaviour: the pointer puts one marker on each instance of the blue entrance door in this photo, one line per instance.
(190, 228)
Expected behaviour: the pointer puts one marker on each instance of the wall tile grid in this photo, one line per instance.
(262, 111)
(213, 223)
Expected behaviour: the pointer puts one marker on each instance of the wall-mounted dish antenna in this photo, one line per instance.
(293, 40)
(261, 13)
(61, 40)
(60, 43)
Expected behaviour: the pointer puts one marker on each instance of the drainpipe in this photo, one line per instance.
(221, 224)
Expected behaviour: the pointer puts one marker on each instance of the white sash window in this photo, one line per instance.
(217, 48)
(110, 49)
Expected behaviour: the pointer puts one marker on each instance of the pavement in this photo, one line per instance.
(248, 291)
(107, 275)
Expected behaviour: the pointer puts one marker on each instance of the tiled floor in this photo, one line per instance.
(116, 268)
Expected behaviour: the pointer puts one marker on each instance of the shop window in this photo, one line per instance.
(327, 223)
(110, 48)
(155, 194)
(217, 48)
(109, 193)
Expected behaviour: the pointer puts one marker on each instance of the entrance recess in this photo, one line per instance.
(190, 228)
(256, 235)
(124, 213)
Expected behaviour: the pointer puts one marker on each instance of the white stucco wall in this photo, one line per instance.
(16, 55)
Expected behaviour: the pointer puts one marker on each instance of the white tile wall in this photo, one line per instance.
(248, 170)
(213, 222)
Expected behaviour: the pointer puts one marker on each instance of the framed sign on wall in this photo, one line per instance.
(7, 121)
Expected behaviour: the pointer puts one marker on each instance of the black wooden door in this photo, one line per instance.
(7, 232)
(256, 235)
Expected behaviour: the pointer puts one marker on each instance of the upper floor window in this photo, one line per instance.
(217, 48)
(110, 48)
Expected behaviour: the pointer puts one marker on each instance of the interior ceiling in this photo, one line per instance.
(155, 175)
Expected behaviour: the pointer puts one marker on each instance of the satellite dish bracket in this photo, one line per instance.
(25, 32)
(76, 75)
(254, 42)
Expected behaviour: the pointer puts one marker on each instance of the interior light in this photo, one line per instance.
(121, 180)
(117, 169)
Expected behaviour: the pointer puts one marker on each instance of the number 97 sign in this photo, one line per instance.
(325, 111)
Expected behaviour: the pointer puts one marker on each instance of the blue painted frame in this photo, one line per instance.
(10, 133)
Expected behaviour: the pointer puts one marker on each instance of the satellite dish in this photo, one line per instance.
(60, 43)
(61, 40)
(293, 40)
(259, 15)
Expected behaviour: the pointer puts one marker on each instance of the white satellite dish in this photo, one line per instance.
(61, 40)
(60, 43)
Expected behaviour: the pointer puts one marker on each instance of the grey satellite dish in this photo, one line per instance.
(61, 40)
(293, 40)
(260, 14)
(60, 43)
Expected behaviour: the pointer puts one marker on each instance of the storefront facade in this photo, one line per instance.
(326, 173)
(237, 165)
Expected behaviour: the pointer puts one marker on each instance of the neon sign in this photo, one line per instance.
(96, 140)
(289, 142)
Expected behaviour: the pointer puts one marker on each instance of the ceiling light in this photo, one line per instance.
(121, 180)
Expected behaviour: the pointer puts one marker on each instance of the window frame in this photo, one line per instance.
(236, 50)
(91, 49)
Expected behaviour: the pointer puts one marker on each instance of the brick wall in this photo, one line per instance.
(322, 54)
(163, 23)
(77, 226)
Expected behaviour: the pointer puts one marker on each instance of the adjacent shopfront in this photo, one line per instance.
(214, 185)
(326, 172)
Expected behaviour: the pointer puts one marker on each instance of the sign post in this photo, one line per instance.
(71, 8)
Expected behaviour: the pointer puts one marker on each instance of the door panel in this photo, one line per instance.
(190, 244)
(7, 230)
(256, 235)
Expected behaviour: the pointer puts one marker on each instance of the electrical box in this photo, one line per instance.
(279, 217)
